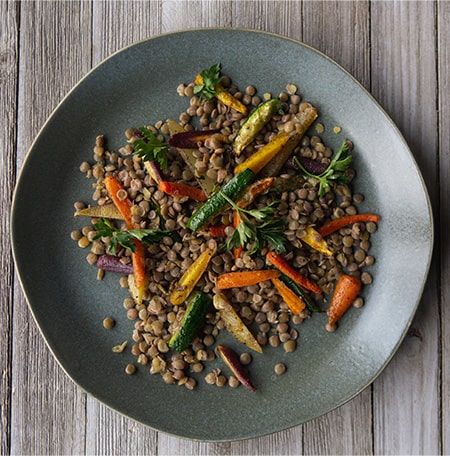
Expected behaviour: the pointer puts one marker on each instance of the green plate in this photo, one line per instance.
(137, 86)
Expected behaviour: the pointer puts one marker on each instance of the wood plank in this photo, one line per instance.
(341, 31)
(9, 25)
(48, 413)
(190, 14)
(116, 25)
(406, 395)
(443, 54)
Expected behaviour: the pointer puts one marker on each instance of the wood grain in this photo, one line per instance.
(9, 23)
(398, 50)
(45, 403)
(442, 225)
(404, 81)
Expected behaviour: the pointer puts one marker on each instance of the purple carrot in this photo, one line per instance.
(232, 361)
(112, 263)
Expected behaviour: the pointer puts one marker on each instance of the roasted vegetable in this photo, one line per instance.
(261, 157)
(188, 155)
(190, 139)
(336, 224)
(194, 318)
(108, 211)
(217, 202)
(232, 361)
(180, 190)
(294, 302)
(207, 85)
(316, 241)
(189, 279)
(244, 278)
(345, 292)
(255, 123)
(234, 324)
(303, 120)
(283, 266)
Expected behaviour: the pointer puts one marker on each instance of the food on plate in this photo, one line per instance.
(229, 225)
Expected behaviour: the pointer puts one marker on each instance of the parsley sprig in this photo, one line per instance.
(335, 173)
(267, 231)
(150, 148)
(210, 80)
(125, 238)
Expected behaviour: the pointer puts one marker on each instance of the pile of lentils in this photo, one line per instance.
(259, 306)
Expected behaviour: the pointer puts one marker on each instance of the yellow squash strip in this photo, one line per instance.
(314, 239)
(108, 211)
(234, 324)
(186, 284)
(261, 157)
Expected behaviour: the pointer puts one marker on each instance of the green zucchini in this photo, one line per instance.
(255, 123)
(198, 306)
(232, 189)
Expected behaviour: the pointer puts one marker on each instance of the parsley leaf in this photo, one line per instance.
(335, 172)
(125, 238)
(150, 148)
(210, 79)
(256, 236)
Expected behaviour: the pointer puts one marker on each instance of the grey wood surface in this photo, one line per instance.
(399, 50)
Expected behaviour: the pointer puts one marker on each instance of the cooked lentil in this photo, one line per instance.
(260, 307)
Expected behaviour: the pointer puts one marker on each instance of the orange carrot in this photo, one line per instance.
(218, 231)
(281, 264)
(245, 278)
(294, 302)
(120, 198)
(180, 190)
(119, 195)
(345, 292)
(337, 224)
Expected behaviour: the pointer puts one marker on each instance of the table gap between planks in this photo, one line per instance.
(399, 50)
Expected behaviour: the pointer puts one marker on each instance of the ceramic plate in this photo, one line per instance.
(137, 86)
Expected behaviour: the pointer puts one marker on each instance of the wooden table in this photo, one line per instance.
(399, 50)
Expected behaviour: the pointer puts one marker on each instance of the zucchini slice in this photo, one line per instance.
(198, 305)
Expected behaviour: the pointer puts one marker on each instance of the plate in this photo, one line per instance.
(137, 86)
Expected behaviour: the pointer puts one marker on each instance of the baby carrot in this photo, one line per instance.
(294, 302)
(337, 224)
(346, 291)
(119, 195)
(281, 264)
(180, 190)
(120, 198)
(245, 278)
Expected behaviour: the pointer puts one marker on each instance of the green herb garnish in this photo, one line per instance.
(210, 80)
(150, 148)
(125, 238)
(268, 230)
(335, 173)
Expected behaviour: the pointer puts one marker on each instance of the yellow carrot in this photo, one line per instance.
(316, 241)
(224, 96)
(262, 156)
(189, 279)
